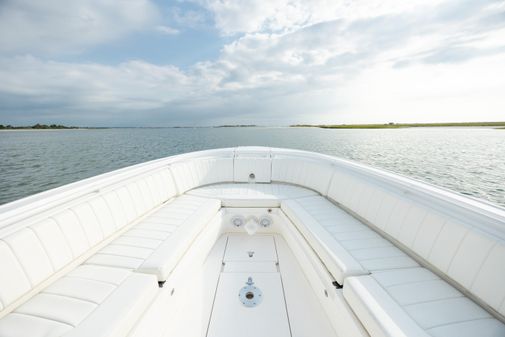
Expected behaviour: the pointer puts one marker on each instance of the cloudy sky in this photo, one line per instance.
(271, 62)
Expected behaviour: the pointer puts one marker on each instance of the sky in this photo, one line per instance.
(266, 62)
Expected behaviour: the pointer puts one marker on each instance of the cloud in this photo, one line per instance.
(130, 85)
(167, 30)
(191, 18)
(53, 26)
(286, 62)
(243, 16)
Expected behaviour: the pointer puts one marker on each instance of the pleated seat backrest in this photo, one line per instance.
(196, 172)
(313, 173)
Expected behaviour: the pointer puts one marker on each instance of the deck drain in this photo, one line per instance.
(249, 295)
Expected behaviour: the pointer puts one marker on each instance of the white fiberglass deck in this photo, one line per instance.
(285, 294)
(324, 247)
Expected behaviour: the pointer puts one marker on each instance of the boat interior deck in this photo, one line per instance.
(251, 242)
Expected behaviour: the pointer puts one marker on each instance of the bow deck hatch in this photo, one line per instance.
(250, 298)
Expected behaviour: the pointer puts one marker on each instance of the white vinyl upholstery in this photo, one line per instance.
(310, 173)
(155, 244)
(251, 195)
(416, 302)
(89, 301)
(397, 297)
(456, 247)
(202, 171)
(36, 251)
(353, 247)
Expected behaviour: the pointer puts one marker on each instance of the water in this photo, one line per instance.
(468, 160)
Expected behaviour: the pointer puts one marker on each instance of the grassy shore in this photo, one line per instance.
(401, 125)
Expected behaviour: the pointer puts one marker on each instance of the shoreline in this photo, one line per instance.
(493, 125)
(496, 125)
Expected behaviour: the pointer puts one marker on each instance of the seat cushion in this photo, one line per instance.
(155, 244)
(347, 246)
(462, 238)
(89, 301)
(252, 195)
(416, 302)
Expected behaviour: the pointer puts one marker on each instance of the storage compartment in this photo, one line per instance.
(252, 165)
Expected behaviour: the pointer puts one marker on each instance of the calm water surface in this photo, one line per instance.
(468, 160)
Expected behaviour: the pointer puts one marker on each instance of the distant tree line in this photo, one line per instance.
(38, 126)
